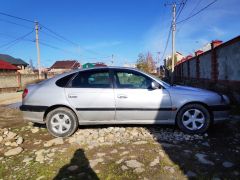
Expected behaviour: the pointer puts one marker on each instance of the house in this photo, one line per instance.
(64, 66)
(130, 65)
(21, 64)
(91, 65)
(7, 68)
(178, 57)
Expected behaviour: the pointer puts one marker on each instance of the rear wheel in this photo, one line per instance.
(61, 122)
(193, 118)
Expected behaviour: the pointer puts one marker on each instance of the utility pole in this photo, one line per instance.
(173, 40)
(112, 61)
(38, 49)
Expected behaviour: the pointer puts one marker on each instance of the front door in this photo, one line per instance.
(91, 94)
(135, 100)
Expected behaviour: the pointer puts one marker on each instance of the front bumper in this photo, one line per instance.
(220, 113)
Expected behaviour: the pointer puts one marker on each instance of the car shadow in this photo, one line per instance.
(77, 168)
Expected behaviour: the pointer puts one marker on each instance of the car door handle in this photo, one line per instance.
(72, 96)
(122, 96)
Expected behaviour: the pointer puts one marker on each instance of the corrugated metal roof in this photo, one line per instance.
(66, 65)
(12, 60)
(7, 66)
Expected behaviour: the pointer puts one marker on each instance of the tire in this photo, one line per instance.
(193, 119)
(61, 122)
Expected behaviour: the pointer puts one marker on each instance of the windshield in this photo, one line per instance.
(155, 77)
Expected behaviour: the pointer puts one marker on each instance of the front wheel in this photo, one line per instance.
(61, 122)
(193, 119)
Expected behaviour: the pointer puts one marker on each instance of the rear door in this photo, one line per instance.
(91, 94)
(136, 101)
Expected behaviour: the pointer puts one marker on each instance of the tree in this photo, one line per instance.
(141, 62)
(150, 63)
(146, 63)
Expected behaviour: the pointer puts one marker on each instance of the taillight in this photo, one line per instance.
(25, 92)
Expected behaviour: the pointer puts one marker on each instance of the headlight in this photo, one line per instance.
(226, 99)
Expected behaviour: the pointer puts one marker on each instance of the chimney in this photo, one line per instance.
(215, 43)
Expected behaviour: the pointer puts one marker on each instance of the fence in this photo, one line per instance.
(13, 82)
(218, 69)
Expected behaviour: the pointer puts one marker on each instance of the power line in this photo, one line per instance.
(10, 22)
(167, 42)
(16, 17)
(51, 35)
(197, 12)
(182, 7)
(50, 30)
(54, 47)
(58, 35)
(197, 4)
(69, 41)
(11, 43)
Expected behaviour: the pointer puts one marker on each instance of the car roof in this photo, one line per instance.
(108, 67)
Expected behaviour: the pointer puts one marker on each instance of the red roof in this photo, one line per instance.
(100, 64)
(7, 66)
(66, 65)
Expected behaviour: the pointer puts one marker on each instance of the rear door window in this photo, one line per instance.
(92, 79)
(64, 81)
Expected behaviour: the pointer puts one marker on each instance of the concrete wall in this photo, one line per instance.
(8, 81)
(205, 66)
(229, 62)
(192, 68)
(13, 82)
(218, 68)
(28, 79)
(185, 70)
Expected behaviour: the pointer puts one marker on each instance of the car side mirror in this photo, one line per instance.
(155, 85)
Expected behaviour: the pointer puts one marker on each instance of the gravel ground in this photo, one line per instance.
(27, 151)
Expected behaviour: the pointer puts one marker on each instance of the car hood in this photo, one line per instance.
(190, 90)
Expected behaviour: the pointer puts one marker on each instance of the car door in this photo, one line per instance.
(136, 101)
(91, 94)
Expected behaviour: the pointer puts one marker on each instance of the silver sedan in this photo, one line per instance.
(116, 95)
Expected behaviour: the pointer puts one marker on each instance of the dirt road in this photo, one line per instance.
(10, 98)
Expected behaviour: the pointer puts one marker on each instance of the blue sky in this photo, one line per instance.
(124, 28)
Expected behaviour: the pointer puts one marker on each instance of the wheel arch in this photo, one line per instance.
(50, 108)
(196, 102)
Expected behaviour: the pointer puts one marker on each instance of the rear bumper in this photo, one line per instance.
(36, 117)
(33, 113)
